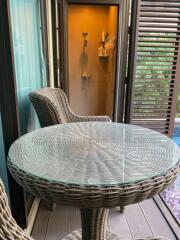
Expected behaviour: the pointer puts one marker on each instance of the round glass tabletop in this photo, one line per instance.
(94, 153)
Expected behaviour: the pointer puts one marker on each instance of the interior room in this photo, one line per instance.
(92, 44)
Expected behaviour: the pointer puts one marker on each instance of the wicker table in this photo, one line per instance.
(94, 166)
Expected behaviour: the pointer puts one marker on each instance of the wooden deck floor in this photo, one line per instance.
(138, 221)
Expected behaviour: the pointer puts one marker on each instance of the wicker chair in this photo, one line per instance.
(9, 230)
(52, 108)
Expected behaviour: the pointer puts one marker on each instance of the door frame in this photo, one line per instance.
(131, 66)
(121, 51)
(9, 109)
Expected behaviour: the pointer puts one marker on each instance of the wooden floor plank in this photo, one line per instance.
(157, 223)
(74, 219)
(118, 223)
(136, 221)
(41, 223)
(58, 223)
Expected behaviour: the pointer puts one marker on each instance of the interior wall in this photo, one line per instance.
(96, 97)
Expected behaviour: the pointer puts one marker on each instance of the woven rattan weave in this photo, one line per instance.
(94, 166)
(93, 196)
(52, 107)
(9, 230)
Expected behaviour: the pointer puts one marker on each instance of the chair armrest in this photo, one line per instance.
(78, 118)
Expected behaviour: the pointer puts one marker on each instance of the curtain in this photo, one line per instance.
(28, 55)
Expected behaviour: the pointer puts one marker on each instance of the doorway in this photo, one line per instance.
(92, 62)
(93, 39)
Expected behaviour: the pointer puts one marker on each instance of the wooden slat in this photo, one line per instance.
(157, 36)
(155, 40)
(149, 101)
(159, 15)
(138, 220)
(156, 45)
(152, 94)
(157, 51)
(161, 121)
(41, 223)
(58, 223)
(148, 114)
(74, 219)
(155, 56)
(159, 30)
(147, 108)
(157, 25)
(154, 20)
(162, 75)
(157, 62)
(149, 105)
(152, 99)
(159, 9)
(153, 218)
(156, 89)
(147, 79)
(158, 127)
(151, 67)
(161, 4)
(118, 224)
(143, 86)
(137, 223)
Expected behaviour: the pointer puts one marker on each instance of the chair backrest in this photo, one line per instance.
(51, 106)
(8, 227)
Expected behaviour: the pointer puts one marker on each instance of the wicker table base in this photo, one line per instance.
(77, 235)
(94, 227)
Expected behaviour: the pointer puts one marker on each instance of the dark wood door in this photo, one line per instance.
(154, 65)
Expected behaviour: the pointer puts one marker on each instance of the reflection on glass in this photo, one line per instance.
(172, 194)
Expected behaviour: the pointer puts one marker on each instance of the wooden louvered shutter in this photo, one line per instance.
(154, 64)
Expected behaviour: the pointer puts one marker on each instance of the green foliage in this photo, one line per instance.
(154, 71)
